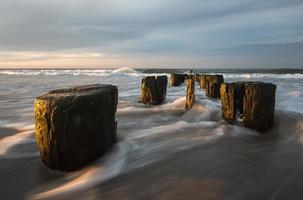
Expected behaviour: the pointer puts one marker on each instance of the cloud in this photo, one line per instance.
(193, 29)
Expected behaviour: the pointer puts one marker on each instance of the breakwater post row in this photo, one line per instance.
(251, 102)
(75, 126)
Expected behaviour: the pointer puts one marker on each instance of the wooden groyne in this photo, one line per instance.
(75, 126)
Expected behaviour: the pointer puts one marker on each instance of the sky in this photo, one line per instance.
(157, 33)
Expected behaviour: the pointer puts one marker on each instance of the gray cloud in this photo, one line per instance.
(173, 27)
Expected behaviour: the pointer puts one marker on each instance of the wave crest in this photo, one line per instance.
(126, 70)
(71, 72)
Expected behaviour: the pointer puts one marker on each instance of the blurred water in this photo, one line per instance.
(146, 134)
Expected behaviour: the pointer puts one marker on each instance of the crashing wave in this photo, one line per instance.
(126, 70)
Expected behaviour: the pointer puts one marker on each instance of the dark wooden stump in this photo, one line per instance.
(259, 105)
(190, 92)
(202, 81)
(153, 90)
(197, 77)
(213, 84)
(255, 101)
(177, 79)
(75, 126)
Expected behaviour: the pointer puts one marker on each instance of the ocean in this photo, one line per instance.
(163, 152)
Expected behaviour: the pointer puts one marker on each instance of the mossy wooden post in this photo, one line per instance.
(197, 77)
(153, 90)
(177, 79)
(75, 126)
(227, 93)
(213, 84)
(255, 101)
(190, 92)
(202, 81)
(231, 95)
(259, 105)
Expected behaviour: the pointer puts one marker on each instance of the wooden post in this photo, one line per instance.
(202, 81)
(259, 105)
(153, 90)
(190, 92)
(177, 79)
(197, 77)
(75, 126)
(227, 93)
(213, 84)
(254, 100)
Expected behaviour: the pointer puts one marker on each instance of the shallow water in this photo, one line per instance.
(153, 134)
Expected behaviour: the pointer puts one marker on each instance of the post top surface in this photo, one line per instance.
(78, 91)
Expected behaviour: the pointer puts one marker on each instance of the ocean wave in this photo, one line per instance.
(127, 71)
(262, 76)
(72, 72)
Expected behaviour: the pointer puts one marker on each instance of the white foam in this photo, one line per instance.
(262, 76)
(74, 72)
(125, 70)
(91, 176)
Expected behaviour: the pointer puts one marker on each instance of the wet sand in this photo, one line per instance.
(219, 171)
(18, 176)
(224, 170)
(4, 132)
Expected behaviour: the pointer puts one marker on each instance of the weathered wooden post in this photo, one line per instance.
(190, 92)
(177, 79)
(259, 105)
(232, 100)
(153, 90)
(202, 81)
(255, 101)
(75, 126)
(227, 93)
(212, 86)
(197, 77)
